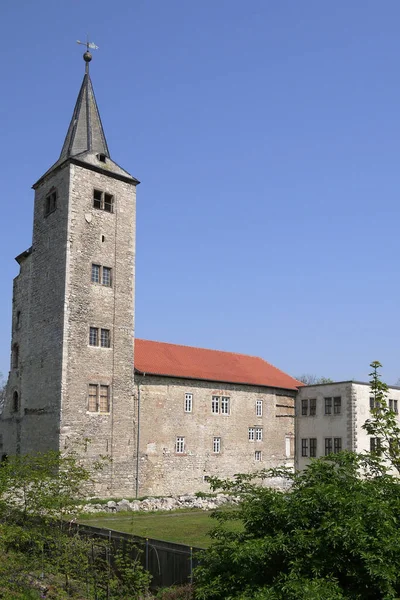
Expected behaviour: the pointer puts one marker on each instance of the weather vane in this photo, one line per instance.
(87, 57)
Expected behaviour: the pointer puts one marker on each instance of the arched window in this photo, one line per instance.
(15, 402)
(15, 356)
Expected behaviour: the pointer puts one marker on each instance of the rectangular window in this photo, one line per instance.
(93, 336)
(217, 445)
(50, 203)
(304, 447)
(257, 455)
(328, 406)
(251, 434)
(328, 446)
(106, 279)
(259, 406)
(97, 198)
(393, 406)
(188, 403)
(259, 433)
(337, 405)
(96, 273)
(215, 404)
(105, 338)
(224, 405)
(304, 407)
(103, 201)
(313, 447)
(180, 445)
(99, 398)
(337, 445)
(313, 407)
(375, 444)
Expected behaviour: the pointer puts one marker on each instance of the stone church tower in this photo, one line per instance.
(72, 375)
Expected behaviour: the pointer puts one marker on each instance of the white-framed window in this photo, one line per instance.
(103, 201)
(98, 398)
(259, 434)
(188, 403)
(99, 337)
(216, 445)
(252, 432)
(101, 275)
(224, 405)
(259, 408)
(180, 445)
(393, 406)
(220, 405)
(215, 405)
(257, 455)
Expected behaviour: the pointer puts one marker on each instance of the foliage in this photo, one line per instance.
(333, 535)
(312, 379)
(179, 592)
(37, 493)
(383, 423)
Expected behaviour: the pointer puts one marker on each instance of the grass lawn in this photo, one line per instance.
(189, 527)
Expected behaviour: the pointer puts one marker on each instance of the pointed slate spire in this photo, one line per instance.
(85, 131)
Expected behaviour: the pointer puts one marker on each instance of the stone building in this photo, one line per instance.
(330, 416)
(182, 414)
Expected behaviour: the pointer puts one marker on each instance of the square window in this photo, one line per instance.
(259, 434)
(328, 446)
(105, 338)
(337, 405)
(328, 406)
(217, 445)
(188, 403)
(313, 447)
(224, 405)
(93, 336)
(251, 434)
(180, 445)
(106, 276)
(313, 407)
(108, 203)
(96, 273)
(259, 405)
(257, 455)
(215, 404)
(304, 407)
(97, 199)
(304, 447)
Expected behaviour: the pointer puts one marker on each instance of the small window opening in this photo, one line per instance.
(103, 238)
(50, 203)
(15, 356)
(102, 157)
(97, 194)
(18, 319)
(15, 402)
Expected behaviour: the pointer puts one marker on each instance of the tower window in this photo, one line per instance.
(101, 275)
(50, 203)
(99, 398)
(101, 157)
(93, 336)
(15, 356)
(99, 337)
(15, 402)
(103, 201)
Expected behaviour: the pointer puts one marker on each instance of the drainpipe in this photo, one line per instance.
(138, 440)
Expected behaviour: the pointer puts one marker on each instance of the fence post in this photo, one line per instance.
(147, 554)
(191, 564)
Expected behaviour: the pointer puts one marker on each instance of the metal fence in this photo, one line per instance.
(168, 563)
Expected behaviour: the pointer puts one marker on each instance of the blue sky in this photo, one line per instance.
(266, 137)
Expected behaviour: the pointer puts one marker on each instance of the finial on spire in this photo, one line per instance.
(87, 57)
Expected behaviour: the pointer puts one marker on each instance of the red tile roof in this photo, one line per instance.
(159, 358)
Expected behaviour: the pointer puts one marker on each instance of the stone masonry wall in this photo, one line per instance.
(163, 471)
(107, 239)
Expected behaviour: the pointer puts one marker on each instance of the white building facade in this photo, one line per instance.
(330, 416)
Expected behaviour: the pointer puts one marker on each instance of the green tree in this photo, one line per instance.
(333, 535)
(383, 424)
(311, 379)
